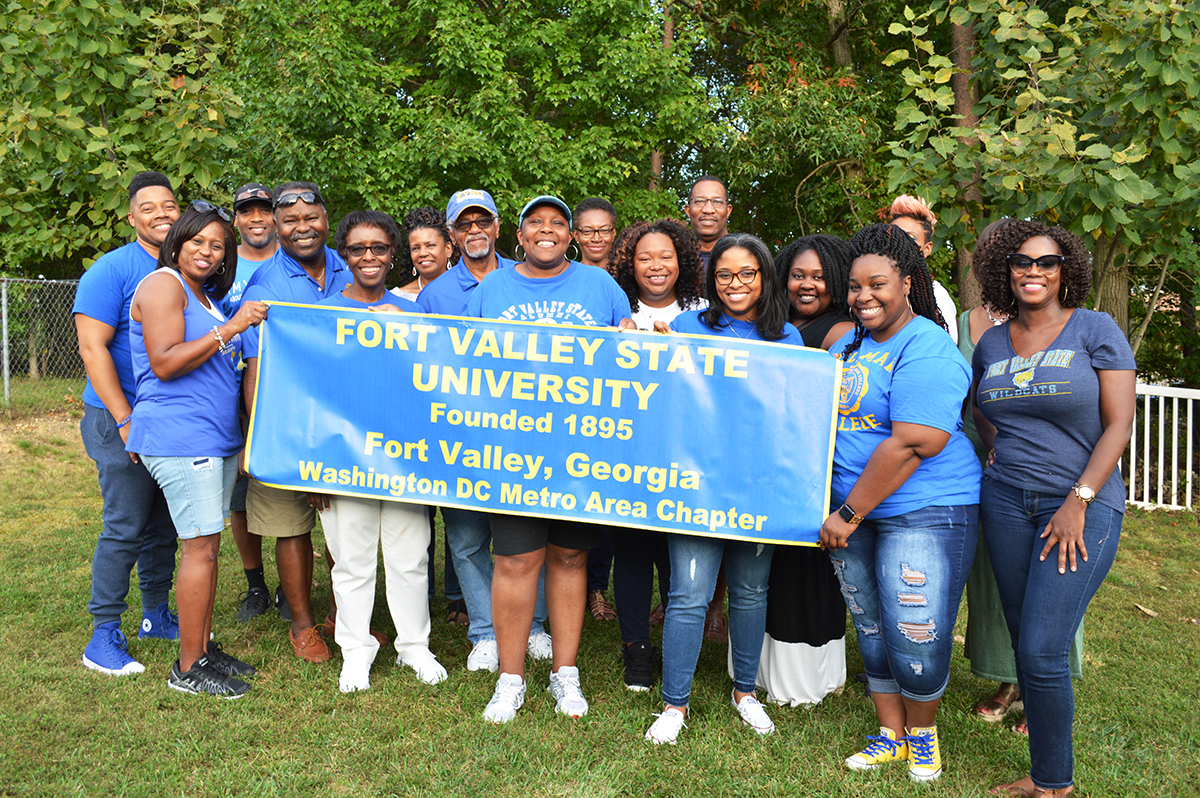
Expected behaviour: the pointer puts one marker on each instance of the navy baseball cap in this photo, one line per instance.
(251, 192)
(545, 199)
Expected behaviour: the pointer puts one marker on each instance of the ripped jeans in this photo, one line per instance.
(902, 579)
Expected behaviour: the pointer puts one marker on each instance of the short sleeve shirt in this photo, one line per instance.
(448, 294)
(340, 300)
(690, 321)
(283, 279)
(583, 296)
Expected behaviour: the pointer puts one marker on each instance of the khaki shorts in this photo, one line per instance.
(277, 513)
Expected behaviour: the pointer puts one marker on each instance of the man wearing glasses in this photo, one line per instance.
(474, 225)
(305, 271)
(137, 526)
(708, 211)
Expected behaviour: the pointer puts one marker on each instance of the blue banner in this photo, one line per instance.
(680, 433)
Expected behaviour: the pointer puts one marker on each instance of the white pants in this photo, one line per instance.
(354, 530)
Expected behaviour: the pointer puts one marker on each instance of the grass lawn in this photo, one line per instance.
(69, 731)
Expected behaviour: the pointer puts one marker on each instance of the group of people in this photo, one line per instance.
(168, 332)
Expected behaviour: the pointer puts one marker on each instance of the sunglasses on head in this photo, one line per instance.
(292, 197)
(204, 206)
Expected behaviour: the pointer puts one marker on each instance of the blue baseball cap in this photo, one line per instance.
(545, 199)
(469, 198)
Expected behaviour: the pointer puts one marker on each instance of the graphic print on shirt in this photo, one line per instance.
(1030, 376)
(550, 312)
(856, 383)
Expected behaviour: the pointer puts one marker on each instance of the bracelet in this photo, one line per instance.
(125, 423)
(222, 347)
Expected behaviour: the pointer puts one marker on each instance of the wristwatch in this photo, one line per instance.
(848, 515)
(1084, 493)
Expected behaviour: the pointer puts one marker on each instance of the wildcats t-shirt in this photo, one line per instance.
(583, 296)
(1046, 407)
(915, 377)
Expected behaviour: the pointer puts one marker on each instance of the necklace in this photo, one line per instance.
(995, 321)
(733, 329)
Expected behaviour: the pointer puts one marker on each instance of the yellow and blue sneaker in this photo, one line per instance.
(883, 749)
(924, 757)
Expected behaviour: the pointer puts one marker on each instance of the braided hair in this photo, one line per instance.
(425, 217)
(772, 314)
(687, 256)
(991, 265)
(835, 257)
(889, 241)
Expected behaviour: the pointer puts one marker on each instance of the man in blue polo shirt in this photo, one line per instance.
(137, 525)
(305, 271)
(474, 225)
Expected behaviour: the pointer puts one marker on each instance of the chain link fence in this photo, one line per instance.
(43, 372)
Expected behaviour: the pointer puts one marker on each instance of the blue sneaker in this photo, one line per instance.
(159, 622)
(108, 651)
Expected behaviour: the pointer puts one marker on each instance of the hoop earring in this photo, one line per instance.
(578, 253)
(1066, 293)
(908, 302)
(519, 251)
(221, 269)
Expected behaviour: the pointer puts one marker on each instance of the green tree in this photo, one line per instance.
(94, 93)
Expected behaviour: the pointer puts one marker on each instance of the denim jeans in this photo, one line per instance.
(902, 578)
(469, 535)
(1043, 608)
(450, 587)
(137, 525)
(198, 491)
(695, 562)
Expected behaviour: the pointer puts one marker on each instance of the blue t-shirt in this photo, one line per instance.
(448, 294)
(340, 300)
(283, 279)
(104, 294)
(1046, 407)
(195, 414)
(915, 377)
(245, 270)
(583, 296)
(690, 322)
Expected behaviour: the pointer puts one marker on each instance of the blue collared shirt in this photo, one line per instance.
(448, 295)
(283, 279)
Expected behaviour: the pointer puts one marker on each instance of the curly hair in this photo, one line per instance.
(889, 241)
(914, 208)
(772, 305)
(189, 225)
(835, 257)
(991, 265)
(425, 217)
(687, 255)
(355, 219)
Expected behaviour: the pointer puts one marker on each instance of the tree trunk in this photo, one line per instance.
(32, 338)
(970, 200)
(656, 157)
(839, 40)
(1112, 279)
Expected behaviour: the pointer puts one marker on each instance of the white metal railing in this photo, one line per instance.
(1160, 461)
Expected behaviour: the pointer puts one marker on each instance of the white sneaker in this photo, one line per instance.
(355, 676)
(665, 730)
(484, 656)
(428, 669)
(568, 697)
(540, 646)
(508, 698)
(753, 714)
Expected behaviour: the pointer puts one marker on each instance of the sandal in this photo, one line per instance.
(1022, 727)
(1006, 699)
(599, 607)
(456, 612)
(1013, 790)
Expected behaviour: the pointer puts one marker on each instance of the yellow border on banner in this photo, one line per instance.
(698, 533)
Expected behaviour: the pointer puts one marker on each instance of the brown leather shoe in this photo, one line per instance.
(599, 607)
(715, 628)
(657, 615)
(309, 646)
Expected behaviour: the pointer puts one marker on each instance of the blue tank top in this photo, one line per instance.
(195, 414)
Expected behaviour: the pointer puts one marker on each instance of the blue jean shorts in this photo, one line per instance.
(198, 490)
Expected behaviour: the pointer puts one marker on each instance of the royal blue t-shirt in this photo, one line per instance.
(448, 294)
(283, 279)
(915, 377)
(340, 300)
(1046, 407)
(583, 296)
(105, 293)
(690, 322)
(195, 414)
(245, 270)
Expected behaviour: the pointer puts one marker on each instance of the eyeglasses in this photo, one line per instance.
(1047, 264)
(699, 202)
(358, 250)
(290, 199)
(482, 222)
(204, 206)
(745, 276)
(592, 232)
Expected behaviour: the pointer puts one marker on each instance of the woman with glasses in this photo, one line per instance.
(746, 302)
(185, 421)
(906, 483)
(356, 527)
(1054, 390)
(595, 231)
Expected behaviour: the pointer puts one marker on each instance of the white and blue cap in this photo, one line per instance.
(469, 198)
(545, 199)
